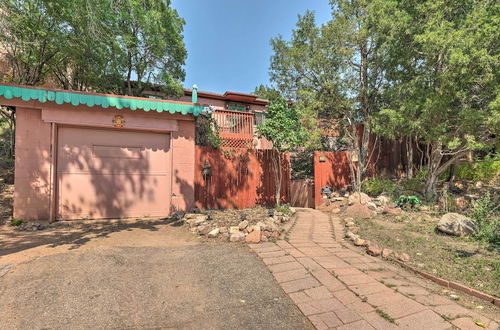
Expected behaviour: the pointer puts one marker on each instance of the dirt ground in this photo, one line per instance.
(462, 260)
(136, 274)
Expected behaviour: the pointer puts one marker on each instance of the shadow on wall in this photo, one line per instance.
(111, 174)
(239, 178)
(230, 180)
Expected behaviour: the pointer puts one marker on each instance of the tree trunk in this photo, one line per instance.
(409, 157)
(276, 161)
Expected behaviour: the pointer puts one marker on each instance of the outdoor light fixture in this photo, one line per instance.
(206, 170)
(271, 212)
(209, 215)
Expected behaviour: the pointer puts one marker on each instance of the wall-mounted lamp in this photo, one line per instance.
(206, 170)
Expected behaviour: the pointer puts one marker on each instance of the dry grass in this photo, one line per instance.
(462, 260)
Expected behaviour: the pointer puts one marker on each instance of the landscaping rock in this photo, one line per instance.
(234, 229)
(214, 233)
(359, 242)
(373, 250)
(382, 200)
(479, 185)
(204, 229)
(461, 203)
(336, 210)
(243, 225)
(359, 211)
(371, 206)
(223, 230)
(253, 237)
(350, 224)
(403, 257)
(349, 219)
(350, 235)
(200, 219)
(355, 230)
(237, 237)
(359, 198)
(457, 224)
(386, 253)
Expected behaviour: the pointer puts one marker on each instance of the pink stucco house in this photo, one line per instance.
(87, 155)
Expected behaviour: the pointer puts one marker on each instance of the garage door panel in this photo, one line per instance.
(112, 174)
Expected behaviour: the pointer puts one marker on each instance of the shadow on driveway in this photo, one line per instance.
(134, 285)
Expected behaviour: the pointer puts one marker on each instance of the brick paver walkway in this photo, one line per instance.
(338, 288)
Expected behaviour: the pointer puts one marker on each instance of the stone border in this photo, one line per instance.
(289, 225)
(452, 285)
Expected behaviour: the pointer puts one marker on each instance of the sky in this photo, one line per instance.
(228, 40)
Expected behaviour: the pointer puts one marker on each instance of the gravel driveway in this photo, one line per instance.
(197, 286)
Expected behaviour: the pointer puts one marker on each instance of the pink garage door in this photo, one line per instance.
(106, 173)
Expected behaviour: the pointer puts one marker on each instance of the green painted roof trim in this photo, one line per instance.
(103, 101)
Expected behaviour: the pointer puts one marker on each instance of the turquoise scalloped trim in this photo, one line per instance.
(91, 100)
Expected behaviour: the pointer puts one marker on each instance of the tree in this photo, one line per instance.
(335, 69)
(283, 128)
(266, 92)
(116, 46)
(443, 78)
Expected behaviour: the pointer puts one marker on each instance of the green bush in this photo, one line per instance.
(408, 202)
(285, 209)
(485, 212)
(376, 186)
(16, 222)
(481, 170)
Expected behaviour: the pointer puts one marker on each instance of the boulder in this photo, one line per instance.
(214, 233)
(237, 237)
(386, 253)
(359, 211)
(456, 224)
(253, 237)
(359, 198)
(373, 250)
(243, 225)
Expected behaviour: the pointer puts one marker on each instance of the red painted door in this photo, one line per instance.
(105, 173)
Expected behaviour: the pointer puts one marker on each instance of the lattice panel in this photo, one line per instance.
(237, 143)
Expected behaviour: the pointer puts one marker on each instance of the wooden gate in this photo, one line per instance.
(330, 169)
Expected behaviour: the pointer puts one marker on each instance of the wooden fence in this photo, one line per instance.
(238, 178)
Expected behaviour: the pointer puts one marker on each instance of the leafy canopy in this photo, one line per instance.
(282, 126)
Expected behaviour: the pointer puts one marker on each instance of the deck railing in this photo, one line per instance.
(235, 128)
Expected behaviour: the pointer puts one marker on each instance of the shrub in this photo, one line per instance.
(408, 202)
(481, 170)
(16, 222)
(285, 209)
(485, 212)
(376, 186)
